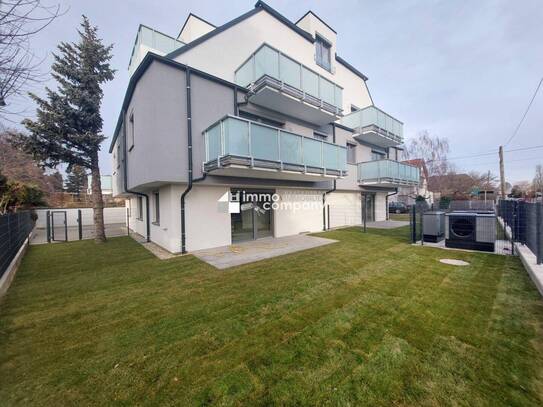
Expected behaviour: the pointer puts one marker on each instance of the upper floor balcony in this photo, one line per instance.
(387, 173)
(280, 83)
(152, 40)
(374, 126)
(242, 148)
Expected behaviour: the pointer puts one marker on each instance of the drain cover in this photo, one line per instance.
(454, 262)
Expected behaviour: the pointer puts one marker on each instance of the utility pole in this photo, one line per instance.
(502, 173)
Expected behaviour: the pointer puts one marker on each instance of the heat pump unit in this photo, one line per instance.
(470, 230)
(433, 226)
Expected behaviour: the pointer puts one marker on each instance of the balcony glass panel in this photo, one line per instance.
(236, 137)
(291, 148)
(266, 63)
(327, 91)
(372, 116)
(331, 159)
(290, 72)
(214, 142)
(388, 171)
(312, 152)
(271, 62)
(310, 82)
(241, 137)
(264, 142)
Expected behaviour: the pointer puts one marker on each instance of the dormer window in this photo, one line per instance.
(323, 53)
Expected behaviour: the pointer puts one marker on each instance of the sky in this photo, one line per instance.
(463, 70)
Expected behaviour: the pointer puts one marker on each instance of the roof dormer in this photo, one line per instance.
(194, 28)
(325, 39)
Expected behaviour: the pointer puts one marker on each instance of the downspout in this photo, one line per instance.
(330, 190)
(125, 179)
(191, 181)
(386, 203)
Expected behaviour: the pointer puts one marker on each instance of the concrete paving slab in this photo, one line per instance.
(261, 249)
(387, 224)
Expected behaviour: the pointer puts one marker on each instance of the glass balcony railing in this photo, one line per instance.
(387, 172)
(372, 116)
(148, 39)
(233, 140)
(269, 62)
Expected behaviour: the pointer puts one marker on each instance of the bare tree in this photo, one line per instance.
(20, 21)
(433, 150)
(537, 183)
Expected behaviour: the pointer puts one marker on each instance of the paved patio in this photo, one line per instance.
(261, 249)
(387, 224)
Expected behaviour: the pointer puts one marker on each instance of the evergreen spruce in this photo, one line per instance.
(76, 181)
(68, 128)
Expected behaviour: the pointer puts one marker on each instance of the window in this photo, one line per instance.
(140, 208)
(323, 49)
(131, 131)
(351, 153)
(377, 155)
(118, 155)
(156, 219)
(320, 136)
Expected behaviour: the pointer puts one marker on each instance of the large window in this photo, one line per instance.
(377, 155)
(140, 208)
(156, 213)
(351, 153)
(323, 49)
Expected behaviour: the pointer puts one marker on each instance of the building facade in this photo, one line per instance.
(259, 105)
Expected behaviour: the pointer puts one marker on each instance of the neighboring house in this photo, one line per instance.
(105, 180)
(408, 194)
(257, 104)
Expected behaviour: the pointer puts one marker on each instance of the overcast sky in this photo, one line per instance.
(464, 70)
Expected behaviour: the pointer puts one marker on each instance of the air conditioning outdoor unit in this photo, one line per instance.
(470, 230)
(433, 226)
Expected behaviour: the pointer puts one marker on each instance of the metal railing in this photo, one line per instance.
(387, 172)
(373, 116)
(270, 62)
(238, 137)
(14, 229)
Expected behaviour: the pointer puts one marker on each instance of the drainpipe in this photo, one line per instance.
(125, 179)
(327, 192)
(190, 162)
(386, 203)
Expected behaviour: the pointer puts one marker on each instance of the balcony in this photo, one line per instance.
(280, 83)
(148, 39)
(241, 148)
(387, 173)
(375, 127)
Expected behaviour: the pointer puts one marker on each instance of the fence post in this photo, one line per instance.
(328, 216)
(128, 221)
(539, 232)
(48, 226)
(413, 224)
(421, 226)
(80, 224)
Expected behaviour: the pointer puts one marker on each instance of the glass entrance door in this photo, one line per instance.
(254, 220)
(368, 205)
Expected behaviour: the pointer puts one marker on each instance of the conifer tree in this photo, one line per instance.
(76, 181)
(68, 128)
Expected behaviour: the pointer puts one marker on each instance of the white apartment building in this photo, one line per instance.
(257, 105)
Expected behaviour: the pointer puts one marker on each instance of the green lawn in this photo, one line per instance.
(399, 216)
(370, 320)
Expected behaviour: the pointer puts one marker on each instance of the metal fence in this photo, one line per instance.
(14, 229)
(524, 220)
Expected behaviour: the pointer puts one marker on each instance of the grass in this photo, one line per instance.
(370, 320)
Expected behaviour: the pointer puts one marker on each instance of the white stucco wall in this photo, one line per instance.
(194, 28)
(345, 208)
(222, 54)
(380, 207)
(291, 221)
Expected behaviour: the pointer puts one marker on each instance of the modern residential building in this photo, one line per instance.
(259, 104)
(105, 180)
